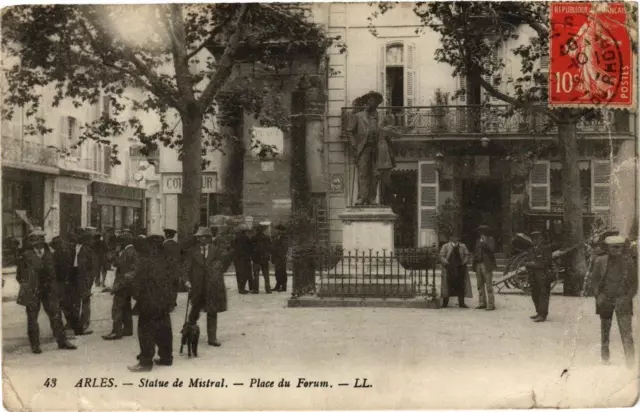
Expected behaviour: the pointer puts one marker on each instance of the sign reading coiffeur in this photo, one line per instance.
(172, 183)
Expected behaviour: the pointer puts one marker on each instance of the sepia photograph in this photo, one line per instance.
(319, 206)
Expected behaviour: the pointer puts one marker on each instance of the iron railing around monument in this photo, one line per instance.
(403, 273)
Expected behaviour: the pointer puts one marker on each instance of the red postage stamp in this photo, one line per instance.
(591, 61)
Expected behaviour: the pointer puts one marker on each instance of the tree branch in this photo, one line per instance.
(226, 61)
(212, 35)
(515, 102)
(175, 27)
(106, 62)
(159, 88)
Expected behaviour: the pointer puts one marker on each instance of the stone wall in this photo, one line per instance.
(267, 194)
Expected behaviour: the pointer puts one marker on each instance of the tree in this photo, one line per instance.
(84, 51)
(469, 33)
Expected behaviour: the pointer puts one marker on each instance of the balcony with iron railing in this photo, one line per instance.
(460, 121)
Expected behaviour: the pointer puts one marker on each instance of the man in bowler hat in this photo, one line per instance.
(615, 284)
(241, 251)
(153, 287)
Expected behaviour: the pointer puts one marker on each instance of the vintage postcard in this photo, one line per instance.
(310, 206)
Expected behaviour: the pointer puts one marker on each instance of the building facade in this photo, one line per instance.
(50, 183)
(501, 171)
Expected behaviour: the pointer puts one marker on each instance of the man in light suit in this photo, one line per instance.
(615, 284)
(484, 262)
(373, 154)
(454, 257)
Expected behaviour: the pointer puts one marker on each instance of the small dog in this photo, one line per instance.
(190, 336)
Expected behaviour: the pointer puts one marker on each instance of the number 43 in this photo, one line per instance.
(50, 382)
(564, 82)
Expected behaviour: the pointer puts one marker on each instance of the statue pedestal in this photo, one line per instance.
(368, 229)
(368, 266)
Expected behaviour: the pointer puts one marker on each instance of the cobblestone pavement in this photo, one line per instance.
(413, 358)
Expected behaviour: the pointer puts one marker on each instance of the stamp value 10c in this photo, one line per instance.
(591, 61)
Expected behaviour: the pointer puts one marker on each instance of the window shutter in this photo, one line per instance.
(427, 202)
(539, 186)
(64, 132)
(382, 73)
(410, 76)
(600, 185)
(107, 160)
(496, 55)
(106, 107)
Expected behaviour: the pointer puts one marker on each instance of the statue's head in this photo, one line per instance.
(371, 100)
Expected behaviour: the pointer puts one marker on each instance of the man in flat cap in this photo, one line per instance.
(39, 287)
(538, 266)
(373, 155)
(484, 262)
(126, 265)
(615, 284)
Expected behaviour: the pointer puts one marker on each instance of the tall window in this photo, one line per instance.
(397, 78)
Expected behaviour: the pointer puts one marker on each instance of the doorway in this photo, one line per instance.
(481, 205)
(70, 214)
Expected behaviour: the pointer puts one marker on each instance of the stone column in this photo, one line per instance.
(314, 98)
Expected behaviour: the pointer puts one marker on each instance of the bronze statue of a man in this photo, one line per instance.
(371, 147)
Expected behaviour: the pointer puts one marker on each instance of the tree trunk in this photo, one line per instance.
(232, 169)
(574, 281)
(191, 175)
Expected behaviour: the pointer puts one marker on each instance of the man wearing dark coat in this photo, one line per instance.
(63, 256)
(260, 253)
(538, 265)
(153, 287)
(279, 250)
(204, 278)
(125, 265)
(85, 267)
(242, 258)
(39, 287)
(454, 257)
(171, 246)
(484, 262)
(615, 284)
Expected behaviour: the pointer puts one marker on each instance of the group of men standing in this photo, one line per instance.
(251, 255)
(58, 278)
(455, 257)
(612, 278)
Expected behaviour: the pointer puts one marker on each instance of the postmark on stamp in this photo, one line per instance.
(591, 60)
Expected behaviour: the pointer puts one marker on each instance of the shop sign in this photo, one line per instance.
(172, 183)
(118, 192)
(70, 185)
